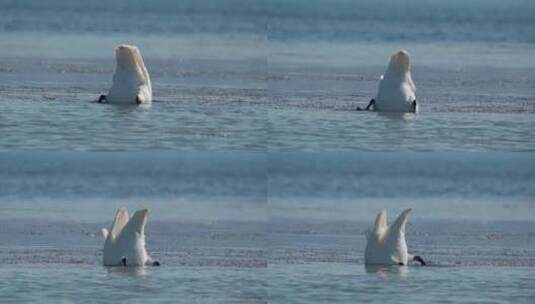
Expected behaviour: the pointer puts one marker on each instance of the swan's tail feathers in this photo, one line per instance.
(121, 219)
(380, 221)
(400, 59)
(104, 232)
(138, 221)
(401, 221)
(129, 56)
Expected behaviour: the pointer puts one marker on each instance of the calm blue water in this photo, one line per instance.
(268, 75)
(278, 227)
(304, 284)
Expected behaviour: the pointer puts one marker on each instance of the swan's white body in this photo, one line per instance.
(131, 81)
(397, 91)
(126, 240)
(386, 244)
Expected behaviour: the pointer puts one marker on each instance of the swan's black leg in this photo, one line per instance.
(102, 99)
(417, 258)
(155, 263)
(123, 261)
(400, 264)
(370, 105)
(372, 102)
(414, 106)
(138, 101)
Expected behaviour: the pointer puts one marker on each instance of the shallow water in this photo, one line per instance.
(318, 282)
(67, 284)
(294, 110)
(343, 283)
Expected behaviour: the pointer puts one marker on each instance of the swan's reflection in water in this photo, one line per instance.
(404, 116)
(126, 271)
(387, 271)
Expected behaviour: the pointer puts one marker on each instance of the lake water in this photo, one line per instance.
(260, 175)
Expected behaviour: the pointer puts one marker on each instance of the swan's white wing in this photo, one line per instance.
(145, 94)
(411, 84)
(104, 232)
(380, 221)
(143, 68)
(121, 219)
(137, 222)
(401, 221)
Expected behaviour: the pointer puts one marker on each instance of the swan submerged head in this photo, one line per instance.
(131, 81)
(125, 241)
(386, 244)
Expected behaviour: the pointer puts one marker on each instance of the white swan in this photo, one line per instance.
(125, 241)
(131, 81)
(386, 245)
(397, 92)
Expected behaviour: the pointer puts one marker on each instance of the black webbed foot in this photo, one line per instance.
(370, 105)
(123, 261)
(138, 101)
(102, 99)
(156, 263)
(417, 258)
